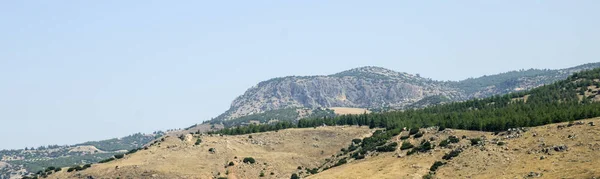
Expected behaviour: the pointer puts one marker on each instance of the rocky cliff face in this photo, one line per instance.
(375, 87)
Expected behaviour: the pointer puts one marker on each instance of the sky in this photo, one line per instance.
(76, 71)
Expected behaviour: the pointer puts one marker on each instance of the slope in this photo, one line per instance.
(279, 153)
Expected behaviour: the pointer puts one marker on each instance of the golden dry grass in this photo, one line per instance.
(516, 159)
(278, 152)
(344, 110)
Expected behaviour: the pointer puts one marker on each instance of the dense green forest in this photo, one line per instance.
(288, 114)
(557, 102)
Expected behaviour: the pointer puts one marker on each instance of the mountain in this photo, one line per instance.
(379, 88)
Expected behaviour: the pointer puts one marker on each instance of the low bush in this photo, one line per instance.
(356, 141)
(436, 165)
(475, 141)
(418, 135)
(413, 131)
(404, 137)
(453, 139)
(406, 145)
(388, 148)
(444, 143)
(119, 156)
(249, 160)
(295, 176)
(451, 155)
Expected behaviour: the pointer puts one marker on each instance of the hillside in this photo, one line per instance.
(379, 88)
(276, 154)
(522, 154)
(20, 162)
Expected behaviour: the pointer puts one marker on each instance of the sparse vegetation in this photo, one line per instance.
(475, 141)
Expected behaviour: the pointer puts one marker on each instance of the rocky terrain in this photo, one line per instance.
(379, 88)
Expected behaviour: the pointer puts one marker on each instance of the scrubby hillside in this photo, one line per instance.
(274, 154)
(551, 151)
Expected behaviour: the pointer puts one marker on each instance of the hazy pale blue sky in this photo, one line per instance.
(73, 71)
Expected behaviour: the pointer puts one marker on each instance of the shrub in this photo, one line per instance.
(428, 176)
(107, 160)
(404, 137)
(464, 137)
(475, 141)
(249, 160)
(501, 143)
(356, 141)
(441, 128)
(231, 164)
(444, 143)
(410, 152)
(294, 176)
(119, 156)
(132, 151)
(340, 162)
(406, 145)
(418, 135)
(352, 148)
(388, 148)
(71, 169)
(272, 173)
(453, 139)
(359, 157)
(249, 136)
(451, 155)
(198, 141)
(313, 171)
(436, 165)
(299, 167)
(262, 174)
(413, 131)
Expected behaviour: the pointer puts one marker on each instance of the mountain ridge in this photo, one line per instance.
(377, 87)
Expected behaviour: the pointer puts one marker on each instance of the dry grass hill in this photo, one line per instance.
(523, 155)
(279, 153)
(552, 151)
